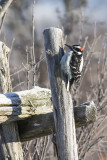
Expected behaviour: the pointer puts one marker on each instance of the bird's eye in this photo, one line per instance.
(77, 49)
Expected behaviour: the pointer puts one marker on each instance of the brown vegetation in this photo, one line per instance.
(28, 69)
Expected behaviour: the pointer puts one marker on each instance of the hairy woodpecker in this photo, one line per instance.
(72, 64)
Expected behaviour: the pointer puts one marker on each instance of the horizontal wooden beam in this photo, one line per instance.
(21, 105)
(43, 124)
(35, 111)
(37, 101)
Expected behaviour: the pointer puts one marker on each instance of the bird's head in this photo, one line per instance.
(76, 49)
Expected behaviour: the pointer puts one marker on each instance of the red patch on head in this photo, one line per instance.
(81, 48)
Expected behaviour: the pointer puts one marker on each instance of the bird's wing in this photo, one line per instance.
(65, 62)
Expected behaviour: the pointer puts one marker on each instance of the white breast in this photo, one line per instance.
(81, 64)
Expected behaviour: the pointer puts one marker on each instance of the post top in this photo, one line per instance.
(52, 29)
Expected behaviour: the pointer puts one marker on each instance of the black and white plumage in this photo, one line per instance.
(72, 64)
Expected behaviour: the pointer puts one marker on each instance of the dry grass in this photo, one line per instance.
(93, 87)
(91, 139)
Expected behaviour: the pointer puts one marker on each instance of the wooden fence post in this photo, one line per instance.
(62, 101)
(10, 146)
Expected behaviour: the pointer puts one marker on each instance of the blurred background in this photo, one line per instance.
(84, 22)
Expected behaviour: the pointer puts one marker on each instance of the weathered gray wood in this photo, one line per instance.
(10, 146)
(20, 105)
(37, 102)
(85, 114)
(62, 101)
(43, 124)
(5, 83)
(38, 96)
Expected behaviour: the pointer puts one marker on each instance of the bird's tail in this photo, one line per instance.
(69, 84)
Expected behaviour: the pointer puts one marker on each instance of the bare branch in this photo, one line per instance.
(4, 5)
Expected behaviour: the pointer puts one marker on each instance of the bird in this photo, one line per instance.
(72, 64)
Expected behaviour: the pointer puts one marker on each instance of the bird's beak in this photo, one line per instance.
(68, 46)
